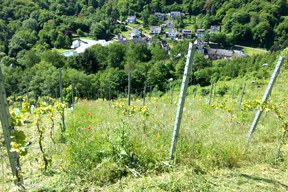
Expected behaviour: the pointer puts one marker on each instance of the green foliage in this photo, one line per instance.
(53, 57)
(22, 40)
(46, 109)
(43, 78)
(222, 90)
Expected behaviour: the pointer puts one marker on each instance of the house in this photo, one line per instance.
(219, 53)
(119, 38)
(174, 14)
(131, 19)
(214, 29)
(200, 45)
(170, 23)
(200, 33)
(86, 43)
(160, 15)
(165, 45)
(135, 33)
(151, 41)
(155, 30)
(135, 41)
(187, 33)
(172, 32)
(75, 44)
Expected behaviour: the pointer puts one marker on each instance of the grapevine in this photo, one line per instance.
(276, 109)
(48, 110)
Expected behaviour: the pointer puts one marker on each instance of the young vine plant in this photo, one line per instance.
(46, 109)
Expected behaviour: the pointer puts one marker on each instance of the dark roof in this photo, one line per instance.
(200, 30)
(186, 31)
(135, 41)
(220, 52)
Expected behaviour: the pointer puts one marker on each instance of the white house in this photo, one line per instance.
(131, 19)
(172, 32)
(86, 43)
(214, 29)
(200, 33)
(155, 30)
(135, 33)
(75, 44)
(187, 33)
(174, 14)
(170, 23)
(160, 15)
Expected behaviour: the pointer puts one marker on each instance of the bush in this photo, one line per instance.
(222, 90)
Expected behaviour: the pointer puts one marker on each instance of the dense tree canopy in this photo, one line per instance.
(30, 30)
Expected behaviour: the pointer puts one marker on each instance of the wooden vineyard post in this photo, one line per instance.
(76, 94)
(61, 97)
(144, 93)
(232, 94)
(172, 94)
(194, 93)
(27, 90)
(7, 129)
(211, 93)
(129, 87)
(150, 92)
(110, 94)
(27, 93)
(101, 93)
(215, 90)
(72, 92)
(171, 89)
(181, 102)
(265, 97)
(243, 92)
(56, 93)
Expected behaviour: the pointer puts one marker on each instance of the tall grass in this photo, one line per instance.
(108, 141)
(112, 147)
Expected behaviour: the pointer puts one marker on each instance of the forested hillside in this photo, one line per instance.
(33, 32)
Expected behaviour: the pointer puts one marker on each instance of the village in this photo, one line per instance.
(162, 33)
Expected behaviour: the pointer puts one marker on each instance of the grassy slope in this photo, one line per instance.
(250, 51)
(212, 154)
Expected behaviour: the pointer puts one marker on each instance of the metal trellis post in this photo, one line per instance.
(265, 97)
(181, 102)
